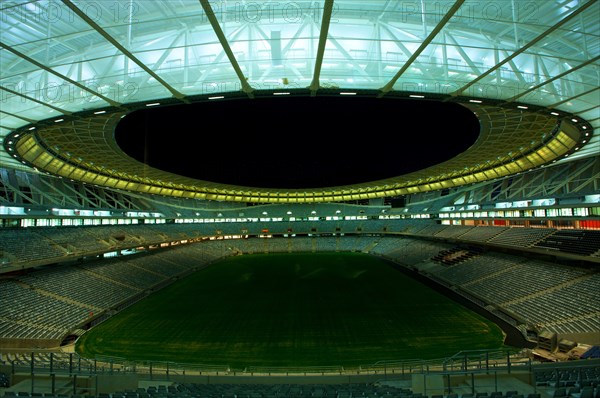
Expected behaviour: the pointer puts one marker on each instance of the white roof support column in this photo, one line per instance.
(591, 61)
(127, 53)
(226, 48)
(525, 47)
(314, 85)
(65, 78)
(390, 85)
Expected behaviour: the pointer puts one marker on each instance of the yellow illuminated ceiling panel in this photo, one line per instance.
(88, 147)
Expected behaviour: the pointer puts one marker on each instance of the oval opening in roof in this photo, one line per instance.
(289, 142)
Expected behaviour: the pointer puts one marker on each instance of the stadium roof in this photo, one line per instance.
(70, 70)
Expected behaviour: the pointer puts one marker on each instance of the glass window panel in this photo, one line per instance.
(523, 164)
(54, 165)
(562, 89)
(587, 101)
(66, 169)
(545, 153)
(535, 159)
(513, 167)
(35, 20)
(565, 139)
(556, 147)
(26, 143)
(31, 153)
(43, 160)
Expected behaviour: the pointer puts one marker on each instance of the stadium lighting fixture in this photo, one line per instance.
(153, 104)
(475, 101)
(522, 107)
(216, 97)
(416, 96)
(99, 112)
(347, 93)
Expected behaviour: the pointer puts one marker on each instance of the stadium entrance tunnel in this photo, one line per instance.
(296, 141)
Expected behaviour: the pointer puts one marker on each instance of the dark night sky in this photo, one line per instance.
(297, 142)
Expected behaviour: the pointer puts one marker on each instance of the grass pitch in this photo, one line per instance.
(325, 309)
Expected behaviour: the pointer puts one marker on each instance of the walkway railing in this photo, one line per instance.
(73, 364)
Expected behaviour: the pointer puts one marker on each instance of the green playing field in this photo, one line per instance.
(330, 309)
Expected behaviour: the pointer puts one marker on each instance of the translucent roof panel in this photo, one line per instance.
(175, 40)
(278, 54)
(64, 57)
